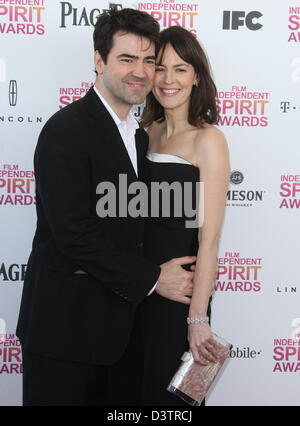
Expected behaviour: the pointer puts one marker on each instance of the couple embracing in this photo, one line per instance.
(103, 316)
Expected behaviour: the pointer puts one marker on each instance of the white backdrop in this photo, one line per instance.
(46, 61)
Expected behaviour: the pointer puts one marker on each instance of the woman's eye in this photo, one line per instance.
(159, 69)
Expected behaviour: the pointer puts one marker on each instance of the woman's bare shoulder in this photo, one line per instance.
(210, 144)
(210, 138)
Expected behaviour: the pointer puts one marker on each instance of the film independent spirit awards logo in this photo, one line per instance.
(22, 17)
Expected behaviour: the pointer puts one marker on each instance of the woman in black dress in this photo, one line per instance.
(184, 147)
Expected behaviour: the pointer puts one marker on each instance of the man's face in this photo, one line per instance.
(128, 74)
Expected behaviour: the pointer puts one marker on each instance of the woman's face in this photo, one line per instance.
(173, 81)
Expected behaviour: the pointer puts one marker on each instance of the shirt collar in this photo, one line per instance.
(130, 120)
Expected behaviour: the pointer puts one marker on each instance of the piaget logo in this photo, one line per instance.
(13, 272)
(81, 16)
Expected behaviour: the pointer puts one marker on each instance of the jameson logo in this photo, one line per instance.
(242, 198)
(160, 200)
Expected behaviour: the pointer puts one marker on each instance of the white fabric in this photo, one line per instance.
(158, 157)
(127, 129)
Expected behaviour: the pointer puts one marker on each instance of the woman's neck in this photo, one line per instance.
(176, 121)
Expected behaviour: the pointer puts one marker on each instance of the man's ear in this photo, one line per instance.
(98, 61)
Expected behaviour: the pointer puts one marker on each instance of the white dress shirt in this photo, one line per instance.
(127, 129)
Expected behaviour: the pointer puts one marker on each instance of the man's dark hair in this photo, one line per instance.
(203, 106)
(127, 20)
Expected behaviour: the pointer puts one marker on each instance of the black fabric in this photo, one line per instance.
(63, 315)
(163, 322)
(51, 382)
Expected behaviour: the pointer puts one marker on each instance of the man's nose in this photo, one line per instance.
(139, 70)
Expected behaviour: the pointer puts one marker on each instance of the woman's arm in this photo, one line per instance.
(213, 161)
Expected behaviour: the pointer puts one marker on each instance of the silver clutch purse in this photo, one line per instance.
(192, 381)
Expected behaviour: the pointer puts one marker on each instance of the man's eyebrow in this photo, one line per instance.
(126, 55)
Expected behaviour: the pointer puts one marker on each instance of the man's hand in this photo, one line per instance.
(174, 282)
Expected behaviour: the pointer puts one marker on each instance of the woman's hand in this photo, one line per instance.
(202, 343)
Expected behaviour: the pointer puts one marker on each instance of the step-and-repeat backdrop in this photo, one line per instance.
(46, 62)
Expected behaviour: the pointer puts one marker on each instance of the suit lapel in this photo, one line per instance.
(141, 150)
(108, 129)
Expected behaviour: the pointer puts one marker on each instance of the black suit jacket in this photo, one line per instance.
(74, 316)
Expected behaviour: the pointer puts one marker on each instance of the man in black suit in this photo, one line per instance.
(86, 275)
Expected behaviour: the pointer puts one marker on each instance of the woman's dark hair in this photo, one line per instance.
(127, 20)
(203, 105)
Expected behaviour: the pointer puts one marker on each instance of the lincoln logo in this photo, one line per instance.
(13, 93)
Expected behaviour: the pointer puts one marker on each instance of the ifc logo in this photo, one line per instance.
(236, 177)
(234, 19)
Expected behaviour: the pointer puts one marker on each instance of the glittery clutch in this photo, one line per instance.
(192, 381)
